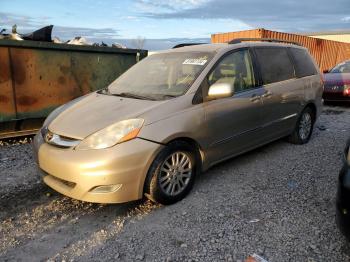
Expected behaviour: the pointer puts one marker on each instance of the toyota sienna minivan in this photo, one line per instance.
(175, 114)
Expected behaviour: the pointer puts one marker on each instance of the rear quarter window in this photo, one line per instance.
(275, 64)
(303, 63)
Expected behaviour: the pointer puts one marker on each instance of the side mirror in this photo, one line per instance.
(325, 71)
(220, 90)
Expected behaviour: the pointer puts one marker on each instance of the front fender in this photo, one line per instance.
(188, 123)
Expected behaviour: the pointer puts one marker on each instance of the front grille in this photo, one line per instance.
(58, 140)
(334, 88)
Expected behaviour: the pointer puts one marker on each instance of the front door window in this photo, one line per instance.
(235, 69)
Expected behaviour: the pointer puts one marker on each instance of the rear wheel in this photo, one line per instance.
(304, 127)
(172, 174)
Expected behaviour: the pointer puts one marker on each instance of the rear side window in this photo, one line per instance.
(303, 63)
(275, 64)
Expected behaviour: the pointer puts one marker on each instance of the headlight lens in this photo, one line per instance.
(117, 133)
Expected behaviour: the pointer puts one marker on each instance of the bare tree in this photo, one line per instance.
(139, 42)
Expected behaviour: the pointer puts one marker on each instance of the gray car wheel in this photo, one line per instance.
(175, 173)
(304, 127)
(172, 174)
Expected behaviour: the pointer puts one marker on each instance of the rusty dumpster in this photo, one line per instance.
(327, 53)
(37, 77)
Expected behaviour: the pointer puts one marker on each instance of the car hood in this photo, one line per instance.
(97, 111)
(337, 79)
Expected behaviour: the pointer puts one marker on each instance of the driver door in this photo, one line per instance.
(233, 122)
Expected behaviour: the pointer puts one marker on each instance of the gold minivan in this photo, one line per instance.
(177, 113)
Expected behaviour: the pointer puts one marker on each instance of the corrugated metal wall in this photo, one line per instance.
(225, 37)
(327, 53)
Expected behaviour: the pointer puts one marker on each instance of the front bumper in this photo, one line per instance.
(343, 201)
(76, 173)
(335, 96)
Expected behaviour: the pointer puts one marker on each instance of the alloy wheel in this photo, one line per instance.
(175, 173)
(305, 125)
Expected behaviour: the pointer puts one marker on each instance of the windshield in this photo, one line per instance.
(161, 76)
(341, 68)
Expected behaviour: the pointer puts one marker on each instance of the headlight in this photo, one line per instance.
(117, 133)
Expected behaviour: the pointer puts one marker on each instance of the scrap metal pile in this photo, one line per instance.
(44, 34)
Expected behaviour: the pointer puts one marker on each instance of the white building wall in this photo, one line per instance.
(341, 37)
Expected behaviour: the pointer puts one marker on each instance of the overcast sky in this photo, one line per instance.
(155, 19)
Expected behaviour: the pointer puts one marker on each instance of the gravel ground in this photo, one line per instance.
(276, 201)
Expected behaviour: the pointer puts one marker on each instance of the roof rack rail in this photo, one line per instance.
(187, 44)
(272, 40)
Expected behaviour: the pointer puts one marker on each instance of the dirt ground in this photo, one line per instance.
(277, 201)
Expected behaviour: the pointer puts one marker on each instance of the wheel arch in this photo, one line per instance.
(313, 107)
(195, 145)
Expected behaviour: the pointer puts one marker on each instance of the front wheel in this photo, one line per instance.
(303, 129)
(172, 174)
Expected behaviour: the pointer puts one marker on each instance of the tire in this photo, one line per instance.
(304, 127)
(167, 182)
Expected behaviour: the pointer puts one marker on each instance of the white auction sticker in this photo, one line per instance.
(195, 61)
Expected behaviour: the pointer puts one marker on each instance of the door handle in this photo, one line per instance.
(255, 98)
(267, 94)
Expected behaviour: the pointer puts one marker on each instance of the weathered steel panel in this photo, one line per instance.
(46, 75)
(45, 79)
(327, 53)
(7, 102)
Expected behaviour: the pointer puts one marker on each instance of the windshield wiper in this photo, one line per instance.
(132, 95)
(168, 96)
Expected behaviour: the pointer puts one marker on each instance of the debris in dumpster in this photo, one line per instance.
(255, 258)
(14, 29)
(98, 44)
(78, 40)
(56, 40)
(117, 45)
(42, 34)
(12, 36)
(15, 37)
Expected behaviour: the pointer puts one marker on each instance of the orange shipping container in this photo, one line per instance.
(327, 53)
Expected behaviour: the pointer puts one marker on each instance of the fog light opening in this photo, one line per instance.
(106, 189)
